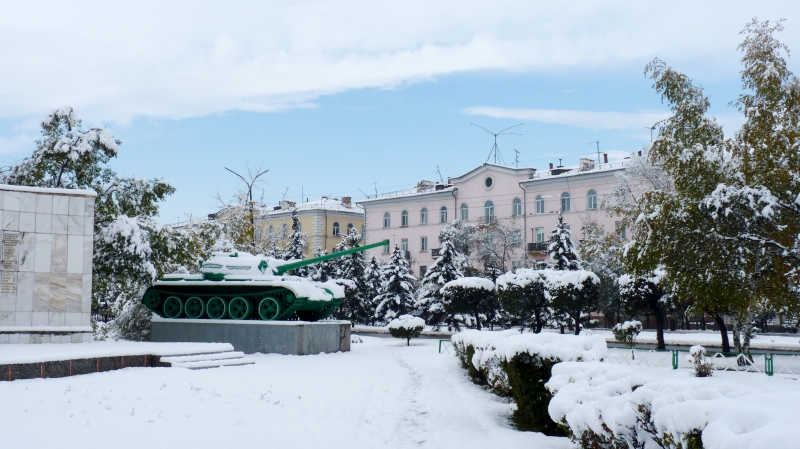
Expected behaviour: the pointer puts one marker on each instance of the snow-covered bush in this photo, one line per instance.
(703, 367)
(605, 405)
(627, 332)
(406, 326)
(469, 295)
(522, 294)
(518, 366)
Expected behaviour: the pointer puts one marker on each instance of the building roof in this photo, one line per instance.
(324, 203)
(567, 172)
(524, 171)
(442, 188)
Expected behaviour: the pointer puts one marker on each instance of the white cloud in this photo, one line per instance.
(618, 121)
(118, 61)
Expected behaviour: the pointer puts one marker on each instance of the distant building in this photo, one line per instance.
(526, 198)
(324, 220)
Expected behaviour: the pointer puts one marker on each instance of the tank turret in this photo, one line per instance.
(240, 286)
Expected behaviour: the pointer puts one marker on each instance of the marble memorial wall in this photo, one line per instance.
(46, 266)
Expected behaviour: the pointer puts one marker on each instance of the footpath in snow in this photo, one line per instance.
(382, 394)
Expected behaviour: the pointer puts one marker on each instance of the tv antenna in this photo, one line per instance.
(596, 142)
(516, 158)
(495, 149)
(440, 174)
(285, 192)
(651, 128)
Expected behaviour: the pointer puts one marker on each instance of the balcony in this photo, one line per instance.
(538, 247)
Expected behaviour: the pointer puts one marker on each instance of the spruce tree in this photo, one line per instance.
(351, 268)
(561, 249)
(373, 279)
(321, 271)
(429, 295)
(397, 291)
(297, 246)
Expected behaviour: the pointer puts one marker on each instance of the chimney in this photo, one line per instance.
(640, 153)
(212, 216)
(551, 166)
(605, 158)
(346, 201)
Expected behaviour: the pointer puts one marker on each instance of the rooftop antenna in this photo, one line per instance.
(651, 128)
(365, 193)
(597, 142)
(440, 173)
(495, 149)
(375, 185)
(516, 158)
(285, 192)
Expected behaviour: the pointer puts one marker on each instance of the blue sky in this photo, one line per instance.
(332, 102)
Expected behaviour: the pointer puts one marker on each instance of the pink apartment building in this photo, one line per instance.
(524, 196)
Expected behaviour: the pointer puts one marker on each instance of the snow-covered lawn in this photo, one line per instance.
(381, 394)
(709, 339)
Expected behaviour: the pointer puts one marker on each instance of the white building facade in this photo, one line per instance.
(522, 197)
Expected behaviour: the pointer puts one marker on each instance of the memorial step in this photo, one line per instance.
(212, 360)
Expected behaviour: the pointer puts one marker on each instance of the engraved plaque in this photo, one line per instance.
(9, 283)
(10, 251)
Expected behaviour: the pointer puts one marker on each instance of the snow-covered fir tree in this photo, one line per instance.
(443, 270)
(321, 271)
(397, 291)
(351, 267)
(298, 241)
(561, 249)
(373, 280)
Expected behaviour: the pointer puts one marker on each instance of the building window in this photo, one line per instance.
(516, 264)
(539, 235)
(423, 216)
(386, 249)
(422, 270)
(516, 207)
(404, 245)
(443, 215)
(565, 202)
(539, 204)
(349, 227)
(423, 243)
(591, 200)
(387, 220)
(488, 212)
(336, 228)
(464, 212)
(620, 229)
(404, 219)
(488, 182)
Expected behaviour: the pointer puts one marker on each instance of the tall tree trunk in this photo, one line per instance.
(659, 327)
(748, 330)
(737, 334)
(578, 324)
(726, 346)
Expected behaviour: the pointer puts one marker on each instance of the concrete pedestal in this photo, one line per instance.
(251, 336)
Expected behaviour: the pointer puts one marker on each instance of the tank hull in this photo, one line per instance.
(266, 301)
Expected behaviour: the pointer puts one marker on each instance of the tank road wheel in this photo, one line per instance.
(194, 307)
(216, 308)
(173, 307)
(151, 300)
(239, 308)
(269, 308)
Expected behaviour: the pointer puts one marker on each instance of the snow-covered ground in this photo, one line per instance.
(709, 339)
(31, 353)
(381, 394)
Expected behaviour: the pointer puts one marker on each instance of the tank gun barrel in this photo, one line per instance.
(291, 266)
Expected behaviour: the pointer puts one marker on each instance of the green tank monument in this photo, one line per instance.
(250, 302)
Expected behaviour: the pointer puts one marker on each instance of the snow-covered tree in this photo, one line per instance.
(601, 254)
(131, 249)
(373, 280)
(472, 296)
(496, 245)
(298, 241)
(443, 270)
(523, 295)
(561, 248)
(572, 293)
(321, 271)
(647, 294)
(729, 235)
(351, 267)
(397, 290)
